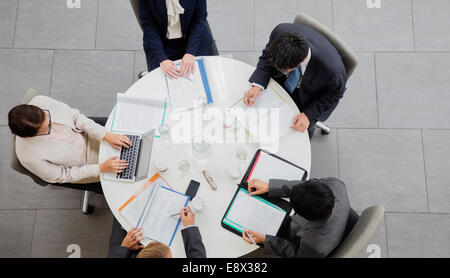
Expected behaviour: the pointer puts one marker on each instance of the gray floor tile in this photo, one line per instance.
(379, 240)
(20, 192)
(383, 167)
(55, 230)
(269, 13)
(19, 71)
(249, 57)
(51, 24)
(418, 235)
(123, 34)
(140, 64)
(437, 165)
(386, 29)
(324, 158)
(16, 233)
(8, 10)
(232, 24)
(358, 107)
(431, 25)
(90, 80)
(413, 90)
(98, 201)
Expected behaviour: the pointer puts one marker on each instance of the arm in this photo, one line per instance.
(115, 241)
(53, 173)
(193, 244)
(281, 188)
(198, 27)
(289, 249)
(152, 39)
(330, 98)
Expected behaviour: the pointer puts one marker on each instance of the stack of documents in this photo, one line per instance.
(151, 208)
(137, 114)
(268, 119)
(187, 93)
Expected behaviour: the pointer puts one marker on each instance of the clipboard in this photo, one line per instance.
(275, 201)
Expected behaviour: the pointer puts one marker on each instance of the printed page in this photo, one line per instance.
(252, 213)
(157, 223)
(185, 92)
(269, 167)
(134, 210)
(136, 114)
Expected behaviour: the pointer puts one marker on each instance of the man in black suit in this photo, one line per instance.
(126, 245)
(309, 68)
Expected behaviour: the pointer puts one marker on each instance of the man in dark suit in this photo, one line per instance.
(126, 245)
(309, 68)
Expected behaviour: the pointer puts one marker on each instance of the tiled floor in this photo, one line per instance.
(390, 134)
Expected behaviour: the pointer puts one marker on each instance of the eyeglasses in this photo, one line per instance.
(49, 122)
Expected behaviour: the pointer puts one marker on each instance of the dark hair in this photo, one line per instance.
(312, 200)
(288, 50)
(25, 120)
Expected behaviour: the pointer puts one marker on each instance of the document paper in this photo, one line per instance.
(254, 213)
(151, 210)
(137, 114)
(187, 93)
(268, 119)
(268, 167)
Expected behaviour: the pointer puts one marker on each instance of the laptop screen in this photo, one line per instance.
(145, 152)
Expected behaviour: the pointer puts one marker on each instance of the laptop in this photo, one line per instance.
(137, 157)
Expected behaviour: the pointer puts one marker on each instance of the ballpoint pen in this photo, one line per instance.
(251, 238)
(172, 215)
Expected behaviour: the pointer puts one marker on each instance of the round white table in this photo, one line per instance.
(228, 79)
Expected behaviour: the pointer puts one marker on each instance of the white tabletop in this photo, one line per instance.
(228, 79)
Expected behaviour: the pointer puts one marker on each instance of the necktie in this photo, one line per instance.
(292, 80)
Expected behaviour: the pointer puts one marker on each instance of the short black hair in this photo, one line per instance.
(288, 50)
(25, 120)
(313, 200)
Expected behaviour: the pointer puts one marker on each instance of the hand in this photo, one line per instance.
(187, 217)
(301, 122)
(131, 240)
(260, 186)
(117, 140)
(170, 69)
(187, 65)
(113, 165)
(257, 237)
(251, 95)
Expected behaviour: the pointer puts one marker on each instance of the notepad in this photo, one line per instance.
(151, 208)
(254, 213)
(137, 114)
(268, 167)
(187, 93)
(268, 119)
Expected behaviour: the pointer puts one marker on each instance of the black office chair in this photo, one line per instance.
(135, 6)
(18, 167)
(349, 58)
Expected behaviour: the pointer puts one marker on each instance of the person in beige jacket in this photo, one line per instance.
(59, 144)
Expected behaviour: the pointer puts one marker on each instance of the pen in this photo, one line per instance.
(209, 179)
(189, 79)
(251, 238)
(172, 215)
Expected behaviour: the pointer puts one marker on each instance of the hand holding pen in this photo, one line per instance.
(253, 237)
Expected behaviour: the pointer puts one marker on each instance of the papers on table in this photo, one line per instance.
(254, 213)
(187, 93)
(268, 167)
(137, 114)
(268, 119)
(151, 207)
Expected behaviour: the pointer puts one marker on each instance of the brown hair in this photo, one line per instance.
(25, 120)
(154, 250)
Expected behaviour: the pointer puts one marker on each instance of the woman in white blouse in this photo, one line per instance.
(174, 29)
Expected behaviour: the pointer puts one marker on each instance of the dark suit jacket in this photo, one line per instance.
(323, 83)
(153, 14)
(193, 244)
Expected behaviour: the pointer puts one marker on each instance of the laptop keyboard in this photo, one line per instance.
(130, 155)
